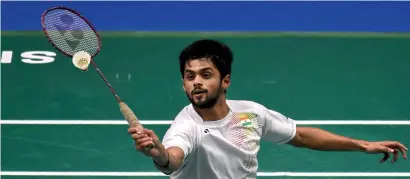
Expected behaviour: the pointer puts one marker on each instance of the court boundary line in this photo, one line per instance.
(298, 174)
(168, 122)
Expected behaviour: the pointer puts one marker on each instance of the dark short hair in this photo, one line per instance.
(219, 53)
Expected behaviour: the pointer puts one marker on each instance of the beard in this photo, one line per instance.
(207, 101)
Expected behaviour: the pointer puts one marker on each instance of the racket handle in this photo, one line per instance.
(132, 119)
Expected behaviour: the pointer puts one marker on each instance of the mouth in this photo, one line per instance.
(198, 93)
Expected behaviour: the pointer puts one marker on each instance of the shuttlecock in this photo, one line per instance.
(82, 60)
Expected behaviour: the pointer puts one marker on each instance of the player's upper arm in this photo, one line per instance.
(277, 128)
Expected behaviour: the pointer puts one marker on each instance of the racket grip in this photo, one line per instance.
(132, 119)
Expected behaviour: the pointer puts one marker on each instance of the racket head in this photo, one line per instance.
(69, 32)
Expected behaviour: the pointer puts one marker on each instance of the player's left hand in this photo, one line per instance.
(387, 148)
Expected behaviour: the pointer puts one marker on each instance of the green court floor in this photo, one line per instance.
(306, 77)
(109, 148)
(328, 77)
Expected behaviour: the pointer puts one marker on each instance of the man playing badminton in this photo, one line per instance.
(217, 138)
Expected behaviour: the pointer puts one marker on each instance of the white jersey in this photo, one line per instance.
(226, 148)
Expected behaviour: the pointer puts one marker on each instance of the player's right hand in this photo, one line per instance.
(145, 137)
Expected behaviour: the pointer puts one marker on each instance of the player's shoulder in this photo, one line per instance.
(245, 105)
(186, 116)
(251, 107)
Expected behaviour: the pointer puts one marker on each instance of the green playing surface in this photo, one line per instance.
(307, 77)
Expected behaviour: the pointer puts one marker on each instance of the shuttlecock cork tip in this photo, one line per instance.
(82, 60)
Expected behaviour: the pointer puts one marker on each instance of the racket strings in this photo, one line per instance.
(70, 33)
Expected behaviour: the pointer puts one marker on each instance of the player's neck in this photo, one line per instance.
(219, 111)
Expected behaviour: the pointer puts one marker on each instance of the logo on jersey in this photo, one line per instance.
(246, 119)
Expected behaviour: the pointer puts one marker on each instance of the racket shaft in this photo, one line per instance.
(132, 119)
(107, 83)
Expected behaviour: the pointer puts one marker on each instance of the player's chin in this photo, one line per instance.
(198, 101)
(202, 103)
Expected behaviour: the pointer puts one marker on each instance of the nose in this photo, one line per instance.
(197, 81)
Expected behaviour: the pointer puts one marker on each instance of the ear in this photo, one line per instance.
(226, 82)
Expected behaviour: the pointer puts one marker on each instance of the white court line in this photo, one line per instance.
(84, 122)
(168, 122)
(299, 174)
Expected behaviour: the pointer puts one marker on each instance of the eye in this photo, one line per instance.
(190, 76)
(207, 75)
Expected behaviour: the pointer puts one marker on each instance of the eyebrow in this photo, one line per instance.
(202, 69)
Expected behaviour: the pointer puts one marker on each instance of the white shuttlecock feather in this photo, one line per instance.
(82, 60)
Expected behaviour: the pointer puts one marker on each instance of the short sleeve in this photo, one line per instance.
(182, 135)
(277, 128)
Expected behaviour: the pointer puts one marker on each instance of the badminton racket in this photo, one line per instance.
(74, 36)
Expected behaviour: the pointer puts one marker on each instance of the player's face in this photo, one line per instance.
(202, 83)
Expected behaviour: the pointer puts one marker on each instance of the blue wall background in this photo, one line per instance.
(222, 16)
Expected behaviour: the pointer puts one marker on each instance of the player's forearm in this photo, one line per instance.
(318, 139)
(169, 162)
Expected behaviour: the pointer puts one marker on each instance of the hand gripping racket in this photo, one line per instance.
(74, 36)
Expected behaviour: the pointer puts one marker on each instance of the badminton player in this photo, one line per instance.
(217, 138)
